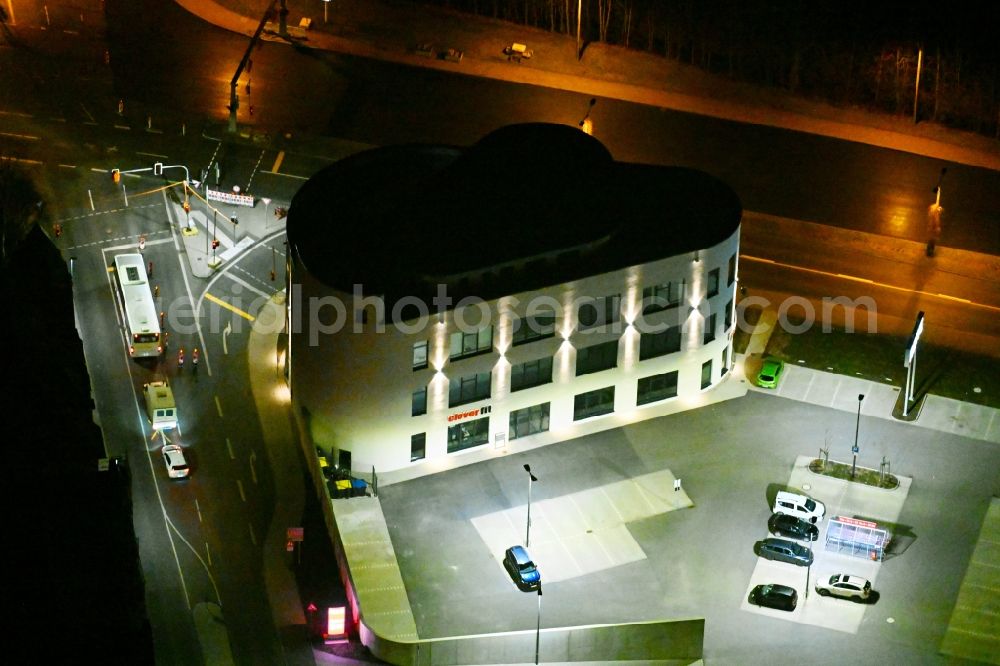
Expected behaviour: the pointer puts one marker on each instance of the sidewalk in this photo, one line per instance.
(392, 31)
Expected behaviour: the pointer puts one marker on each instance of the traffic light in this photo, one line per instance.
(186, 206)
(158, 169)
(215, 243)
(234, 219)
(116, 176)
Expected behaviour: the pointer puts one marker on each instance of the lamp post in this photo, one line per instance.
(531, 479)
(267, 203)
(538, 622)
(857, 427)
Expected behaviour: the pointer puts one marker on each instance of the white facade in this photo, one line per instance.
(355, 381)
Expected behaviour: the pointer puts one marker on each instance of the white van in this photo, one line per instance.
(799, 506)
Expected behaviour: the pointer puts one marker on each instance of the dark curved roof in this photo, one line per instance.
(526, 207)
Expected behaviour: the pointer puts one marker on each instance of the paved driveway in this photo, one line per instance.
(698, 561)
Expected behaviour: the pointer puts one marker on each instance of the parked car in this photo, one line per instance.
(776, 596)
(770, 372)
(846, 587)
(173, 458)
(800, 506)
(784, 550)
(792, 527)
(522, 570)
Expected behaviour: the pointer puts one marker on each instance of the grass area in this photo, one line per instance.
(869, 477)
(941, 371)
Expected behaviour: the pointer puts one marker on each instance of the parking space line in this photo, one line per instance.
(277, 161)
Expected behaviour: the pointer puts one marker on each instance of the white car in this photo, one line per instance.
(845, 586)
(800, 506)
(173, 458)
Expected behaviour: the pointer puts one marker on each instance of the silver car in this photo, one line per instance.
(173, 458)
(845, 586)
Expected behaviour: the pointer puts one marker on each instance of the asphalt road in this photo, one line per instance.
(59, 113)
(699, 560)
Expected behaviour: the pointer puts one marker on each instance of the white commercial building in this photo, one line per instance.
(448, 304)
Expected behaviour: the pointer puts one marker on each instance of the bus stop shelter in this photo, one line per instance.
(860, 538)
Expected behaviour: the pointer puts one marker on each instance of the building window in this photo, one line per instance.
(666, 342)
(712, 284)
(594, 403)
(530, 329)
(419, 402)
(731, 274)
(469, 389)
(419, 355)
(725, 361)
(661, 297)
(657, 387)
(729, 314)
(468, 434)
(528, 421)
(706, 374)
(596, 358)
(531, 373)
(600, 312)
(470, 344)
(418, 446)
(709, 333)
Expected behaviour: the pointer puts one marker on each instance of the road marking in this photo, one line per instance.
(87, 112)
(16, 113)
(842, 276)
(67, 166)
(139, 152)
(21, 160)
(277, 161)
(286, 175)
(218, 406)
(29, 137)
(71, 32)
(208, 554)
(197, 507)
(246, 284)
(243, 495)
(253, 469)
(229, 447)
(219, 301)
(253, 537)
(123, 127)
(225, 337)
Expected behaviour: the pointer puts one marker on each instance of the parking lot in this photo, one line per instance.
(449, 531)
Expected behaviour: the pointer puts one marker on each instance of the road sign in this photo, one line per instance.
(296, 533)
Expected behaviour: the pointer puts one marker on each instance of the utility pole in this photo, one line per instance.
(234, 98)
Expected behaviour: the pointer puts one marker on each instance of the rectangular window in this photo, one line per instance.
(594, 403)
(731, 274)
(725, 360)
(712, 284)
(419, 355)
(467, 434)
(599, 312)
(470, 344)
(729, 314)
(418, 446)
(709, 333)
(657, 387)
(706, 374)
(528, 421)
(661, 297)
(468, 389)
(652, 345)
(419, 402)
(531, 373)
(596, 358)
(533, 328)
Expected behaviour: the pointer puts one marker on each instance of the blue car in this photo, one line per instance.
(522, 570)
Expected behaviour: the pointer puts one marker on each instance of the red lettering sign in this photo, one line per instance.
(856, 521)
(462, 415)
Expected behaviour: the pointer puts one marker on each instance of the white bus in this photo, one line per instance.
(142, 326)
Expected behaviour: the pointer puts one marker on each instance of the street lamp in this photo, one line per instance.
(587, 125)
(527, 532)
(857, 427)
(538, 621)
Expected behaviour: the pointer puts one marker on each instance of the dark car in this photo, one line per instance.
(792, 527)
(522, 570)
(776, 596)
(784, 550)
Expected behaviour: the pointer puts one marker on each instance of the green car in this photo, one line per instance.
(770, 373)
